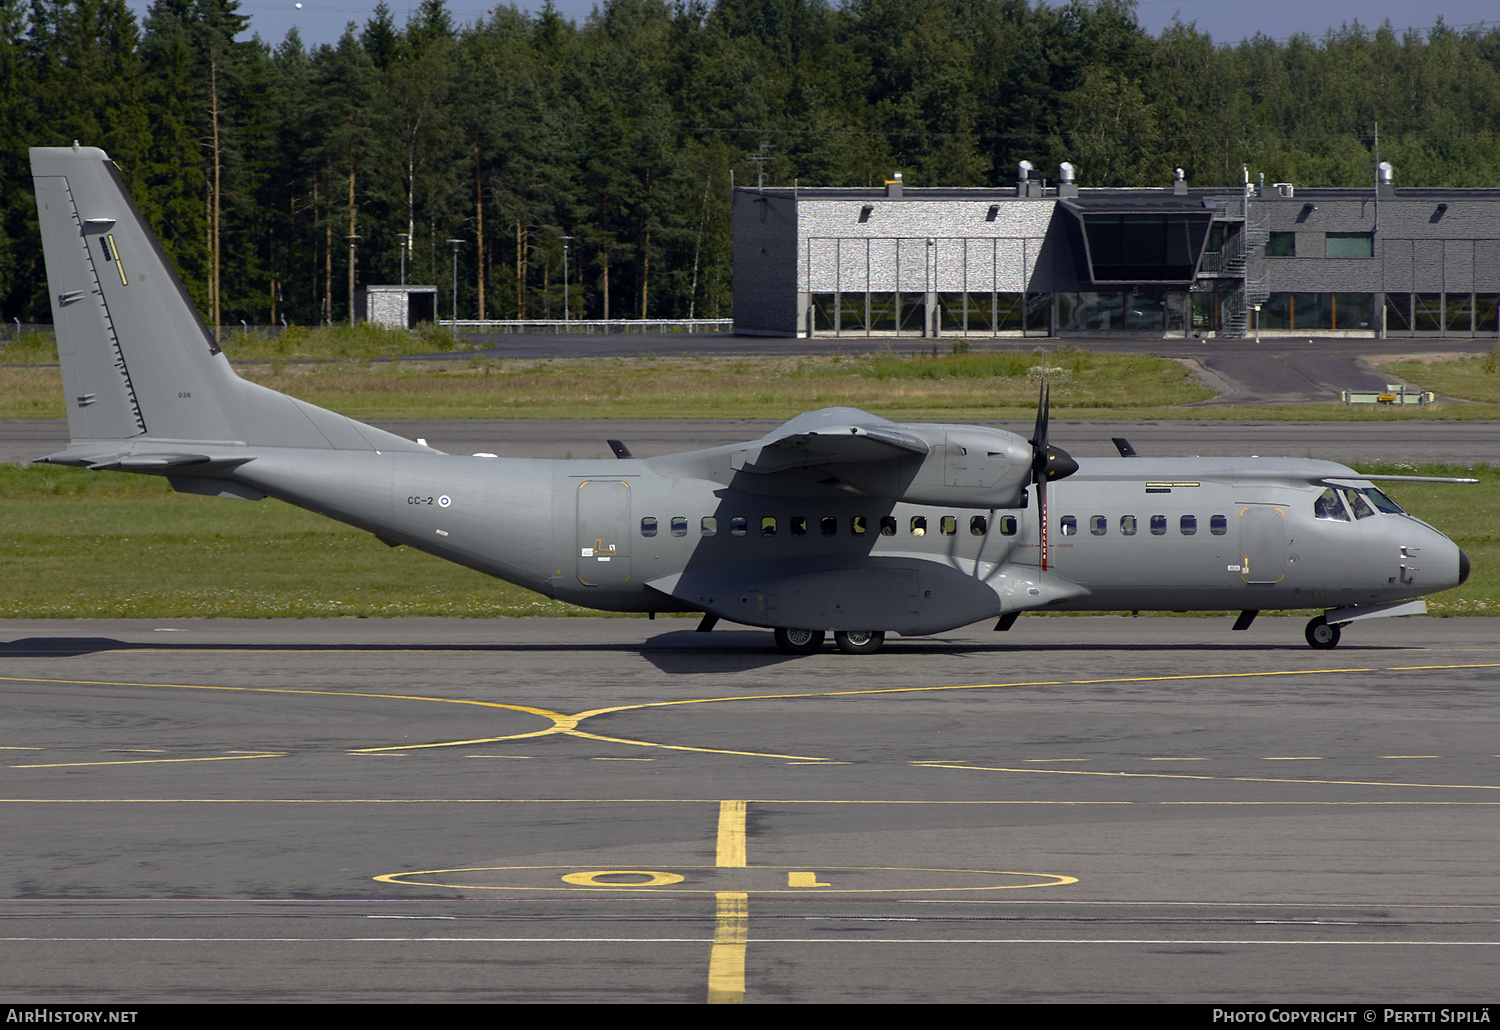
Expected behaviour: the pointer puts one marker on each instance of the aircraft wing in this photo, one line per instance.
(835, 436)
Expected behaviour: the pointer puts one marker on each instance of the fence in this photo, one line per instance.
(660, 326)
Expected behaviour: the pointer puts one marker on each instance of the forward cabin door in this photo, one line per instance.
(1264, 544)
(603, 535)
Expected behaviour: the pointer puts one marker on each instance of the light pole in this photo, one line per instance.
(565, 241)
(353, 240)
(455, 244)
(405, 238)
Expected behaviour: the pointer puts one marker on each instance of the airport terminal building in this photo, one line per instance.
(1057, 259)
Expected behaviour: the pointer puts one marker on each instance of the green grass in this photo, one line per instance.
(293, 343)
(962, 386)
(108, 545)
(1475, 379)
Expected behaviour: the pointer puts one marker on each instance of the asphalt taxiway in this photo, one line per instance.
(1081, 809)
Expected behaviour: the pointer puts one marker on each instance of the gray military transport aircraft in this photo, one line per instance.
(838, 520)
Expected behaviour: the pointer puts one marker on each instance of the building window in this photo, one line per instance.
(1282, 244)
(1346, 245)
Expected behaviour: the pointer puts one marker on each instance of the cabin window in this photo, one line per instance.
(978, 525)
(709, 526)
(1357, 503)
(1127, 525)
(799, 525)
(1069, 525)
(1158, 525)
(768, 525)
(648, 526)
(919, 525)
(1007, 525)
(858, 525)
(1328, 506)
(948, 526)
(828, 525)
(679, 525)
(1218, 525)
(1098, 524)
(887, 525)
(1188, 525)
(739, 526)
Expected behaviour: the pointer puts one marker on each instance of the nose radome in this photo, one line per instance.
(1463, 567)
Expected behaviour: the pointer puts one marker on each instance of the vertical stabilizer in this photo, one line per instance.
(136, 356)
(139, 365)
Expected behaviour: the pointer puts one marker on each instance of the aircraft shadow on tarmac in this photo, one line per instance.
(672, 652)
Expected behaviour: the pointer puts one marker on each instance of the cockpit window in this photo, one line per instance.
(1381, 501)
(1328, 506)
(1357, 503)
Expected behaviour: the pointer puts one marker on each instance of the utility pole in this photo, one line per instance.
(455, 244)
(353, 241)
(565, 241)
(405, 238)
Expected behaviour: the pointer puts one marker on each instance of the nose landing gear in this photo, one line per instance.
(1322, 636)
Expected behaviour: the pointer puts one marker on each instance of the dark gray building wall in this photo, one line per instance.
(765, 263)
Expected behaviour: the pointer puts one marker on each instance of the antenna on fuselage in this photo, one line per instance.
(618, 446)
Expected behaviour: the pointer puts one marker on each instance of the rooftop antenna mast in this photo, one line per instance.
(760, 158)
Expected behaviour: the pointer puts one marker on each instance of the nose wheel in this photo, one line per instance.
(1321, 635)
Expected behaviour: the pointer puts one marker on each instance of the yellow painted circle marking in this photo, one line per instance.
(652, 879)
(753, 879)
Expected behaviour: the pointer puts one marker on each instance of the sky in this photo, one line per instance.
(1228, 21)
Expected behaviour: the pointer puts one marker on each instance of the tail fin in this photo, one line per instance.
(139, 365)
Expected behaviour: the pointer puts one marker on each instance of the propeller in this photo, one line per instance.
(1048, 463)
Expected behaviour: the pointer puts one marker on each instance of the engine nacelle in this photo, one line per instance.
(964, 467)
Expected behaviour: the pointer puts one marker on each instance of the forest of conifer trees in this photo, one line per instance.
(254, 161)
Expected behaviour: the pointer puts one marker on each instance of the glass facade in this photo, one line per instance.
(1442, 314)
(1312, 311)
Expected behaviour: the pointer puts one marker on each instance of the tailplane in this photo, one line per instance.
(142, 373)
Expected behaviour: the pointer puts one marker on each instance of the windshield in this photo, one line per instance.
(1381, 501)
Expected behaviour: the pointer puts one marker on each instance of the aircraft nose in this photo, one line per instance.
(1463, 567)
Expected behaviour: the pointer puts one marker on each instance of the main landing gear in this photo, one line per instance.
(1321, 635)
(810, 641)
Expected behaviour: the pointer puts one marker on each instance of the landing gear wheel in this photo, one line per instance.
(799, 641)
(1322, 636)
(859, 641)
